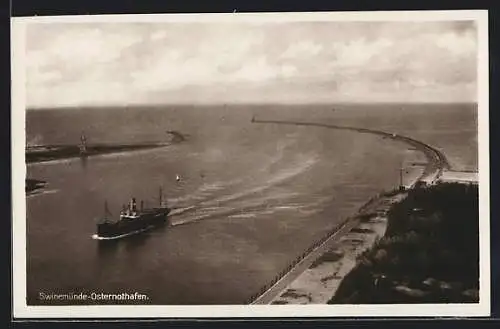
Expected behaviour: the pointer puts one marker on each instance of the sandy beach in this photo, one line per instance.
(318, 283)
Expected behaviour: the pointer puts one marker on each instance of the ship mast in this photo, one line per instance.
(161, 197)
(106, 210)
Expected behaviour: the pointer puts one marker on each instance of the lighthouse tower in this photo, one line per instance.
(83, 144)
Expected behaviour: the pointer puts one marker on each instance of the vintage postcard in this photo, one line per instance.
(251, 165)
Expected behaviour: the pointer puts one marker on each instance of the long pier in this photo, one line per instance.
(437, 160)
(436, 163)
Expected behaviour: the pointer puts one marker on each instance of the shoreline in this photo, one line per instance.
(318, 282)
(34, 185)
(45, 153)
(50, 153)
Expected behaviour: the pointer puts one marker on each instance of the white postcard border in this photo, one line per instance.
(21, 310)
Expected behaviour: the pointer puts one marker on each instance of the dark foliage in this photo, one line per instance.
(430, 252)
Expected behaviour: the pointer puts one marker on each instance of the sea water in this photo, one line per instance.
(251, 198)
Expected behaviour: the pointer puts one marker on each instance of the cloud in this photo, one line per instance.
(302, 49)
(421, 59)
(159, 35)
(74, 64)
(359, 52)
(288, 71)
(256, 71)
(82, 46)
(459, 45)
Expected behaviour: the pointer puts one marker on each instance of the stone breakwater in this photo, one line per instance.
(42, 153)
(58, 152)
(309, 278)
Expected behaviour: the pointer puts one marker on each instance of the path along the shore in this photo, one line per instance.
(436, 163)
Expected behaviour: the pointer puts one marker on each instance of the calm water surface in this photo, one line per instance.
(252, 196)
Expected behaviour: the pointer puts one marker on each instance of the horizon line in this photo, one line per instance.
(155, 105)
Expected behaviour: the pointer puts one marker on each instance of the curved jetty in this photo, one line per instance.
(437, 161)
(299, 282)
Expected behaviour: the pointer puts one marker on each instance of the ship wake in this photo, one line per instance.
(246, 203)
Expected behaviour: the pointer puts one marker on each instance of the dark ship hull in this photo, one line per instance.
(144, 221)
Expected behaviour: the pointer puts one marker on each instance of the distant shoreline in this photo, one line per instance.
(33, 185)
(44, 153)
(244, 104)
(47, 153)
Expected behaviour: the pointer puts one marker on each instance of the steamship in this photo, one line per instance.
(132, 220)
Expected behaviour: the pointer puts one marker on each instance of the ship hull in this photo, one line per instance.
(124, 228)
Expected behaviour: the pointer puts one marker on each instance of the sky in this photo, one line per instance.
(116, 64)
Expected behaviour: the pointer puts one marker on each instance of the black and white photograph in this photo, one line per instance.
(264, 164)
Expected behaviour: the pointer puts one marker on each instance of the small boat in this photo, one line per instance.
(178, 178)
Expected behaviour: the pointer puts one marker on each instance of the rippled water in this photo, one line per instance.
(251, 199)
